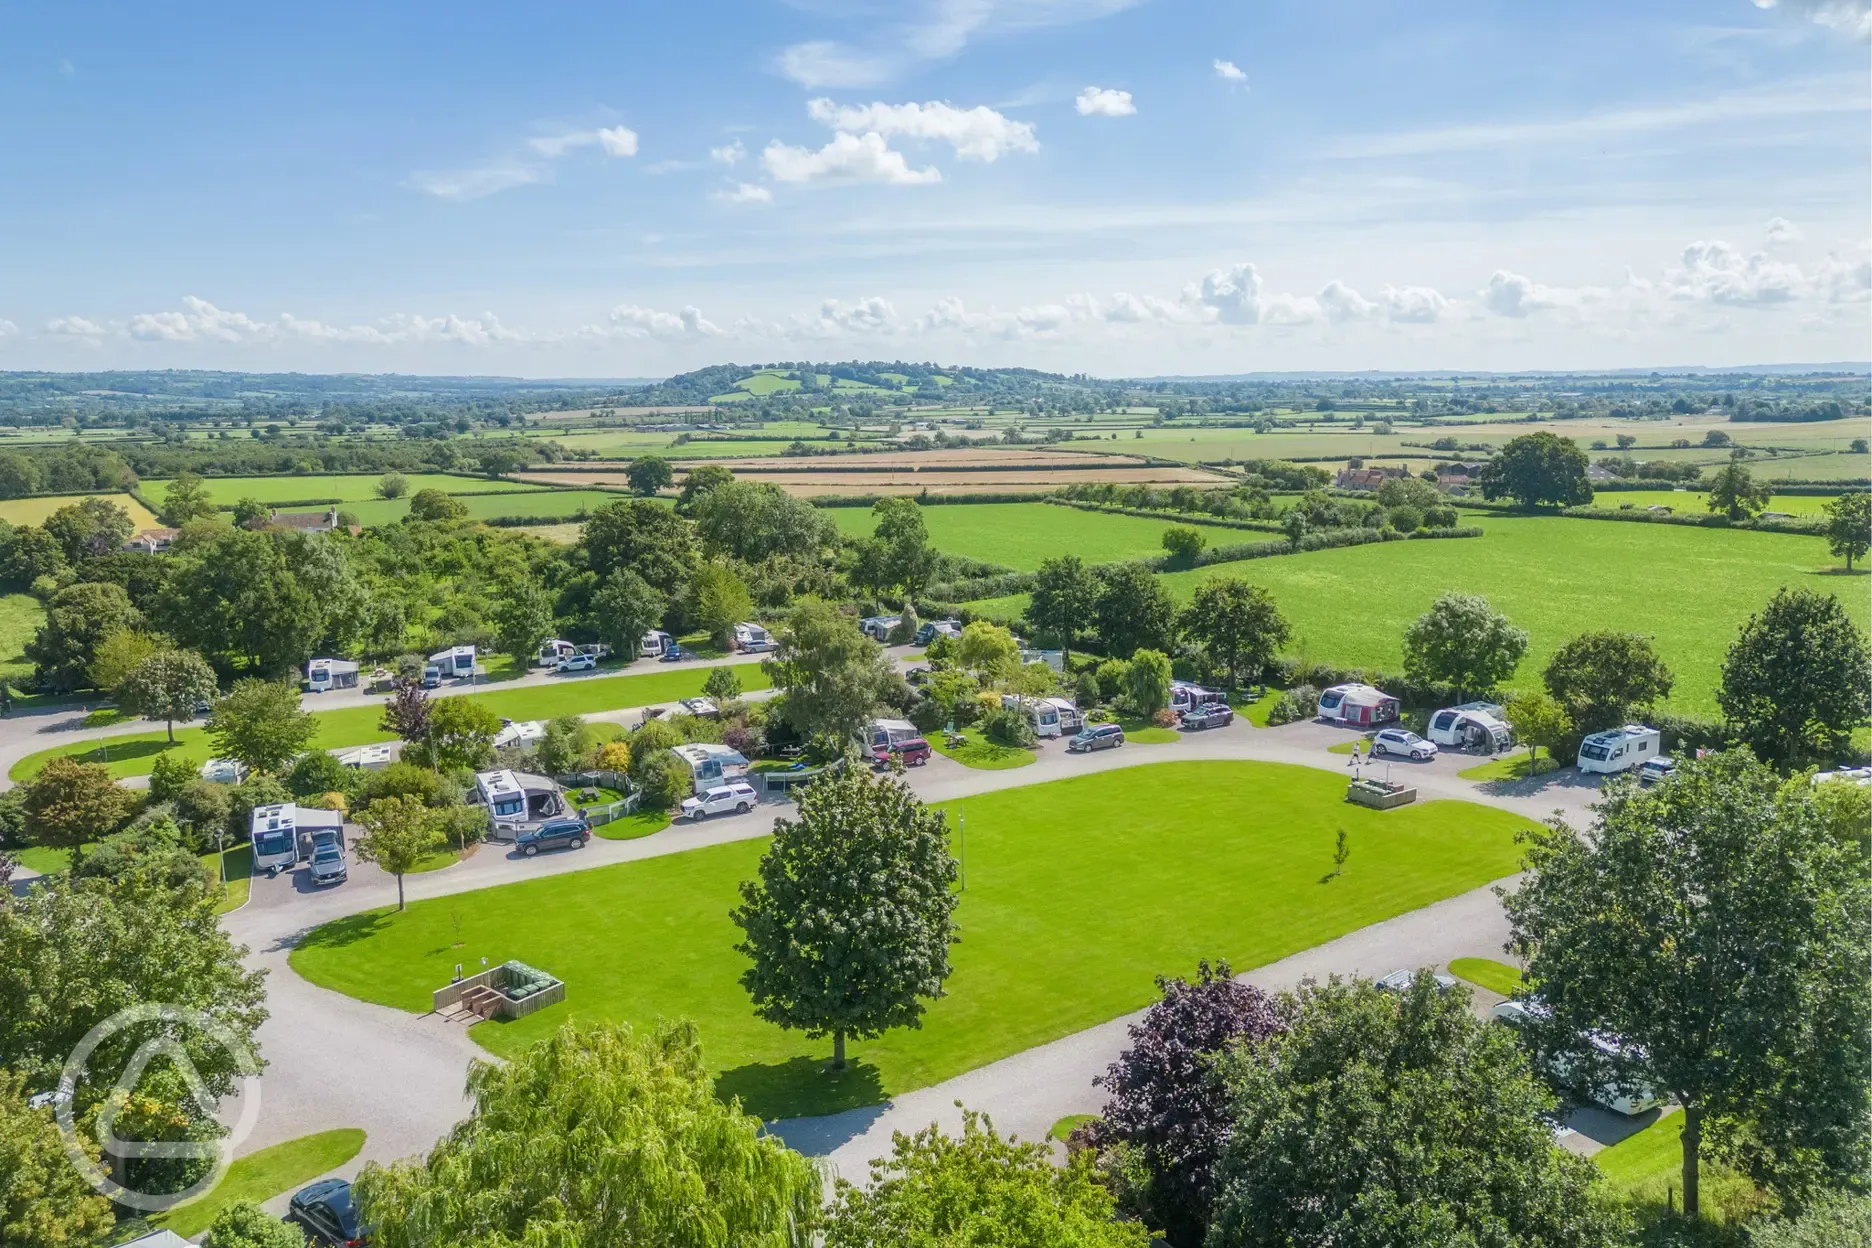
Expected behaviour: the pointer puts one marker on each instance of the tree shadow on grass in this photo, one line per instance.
(338, 933)
(123, 751)
(802, 1087)
(1837, 571)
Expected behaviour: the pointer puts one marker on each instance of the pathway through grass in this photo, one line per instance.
(1079, 892)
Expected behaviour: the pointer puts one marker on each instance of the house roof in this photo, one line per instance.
(158, 534)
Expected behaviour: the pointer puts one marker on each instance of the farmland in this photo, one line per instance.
(333, 487)
(1688, 502)
(543, 505)
(35, 510)
(1061, 922)
(1689, 589)
(1021, 535)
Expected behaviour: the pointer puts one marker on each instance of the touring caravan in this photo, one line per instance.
(1357, 705)
(455, 663)
(657, 644)
(753, 639)
(711, 766)
(1070, 720)
(1619, 749)
(888, 732)
(323, 675)
(1479, 726)
(1042, 716)
(1187, 697)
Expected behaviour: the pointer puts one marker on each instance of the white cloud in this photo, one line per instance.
(1229, 71)
(978, 133)
(847, 158)
(1342, 304)
(1104, 102)
(531, 166)
(1232, 294)
(743, 193)
(1849, 17)
(1414, 305)
(933, 30)
(874, 315)
(1037, 321)
(1846, 280)
(1719, 273)
(627, 320)
(200, 320)
(1781, 232)
(1512, 295)
(74, 327)
(7, 327)
(728, 154)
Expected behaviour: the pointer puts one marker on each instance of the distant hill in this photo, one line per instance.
(891, 381)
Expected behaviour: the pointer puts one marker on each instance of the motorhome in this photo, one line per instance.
(275, 846)
(327, 674)
(553, 649)
(753, 639)
(932, 629)
(522, 735)
(1619, 749)
(656, 644)
(455, 663)
(1042, 716)
(711, 766)
(1630, 1101)
(888, 732)
(1187, 697)
(1070, 720)
(879, 627)
(517, 801)
(1480, 726)
(368, 757)
(1358, 705)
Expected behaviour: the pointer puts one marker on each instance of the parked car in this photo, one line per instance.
(576, 663)
(554, 834)
(1519, 1015)
(1653, 770)
(328, 865)
(728, 799)
(1399, 981)
(1096, 737)
(326, 1214)
(914, 752)
(1208, 715)
(432, 677)
(1402, 741)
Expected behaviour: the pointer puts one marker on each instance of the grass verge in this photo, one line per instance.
(1644, 1173)
(1498, 977)
(262, 1175)
(1256, 712)
(637, 824)
(1143, 732)
(1064, 924)
(982, 754)
(1512, 766)
(1069, 1124)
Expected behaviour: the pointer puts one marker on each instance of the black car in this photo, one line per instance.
(555, 834)
(325, 1213)
(1208, 715)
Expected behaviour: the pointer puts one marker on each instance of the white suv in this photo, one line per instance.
(736, 798)
(576, 663)
(1400, 741)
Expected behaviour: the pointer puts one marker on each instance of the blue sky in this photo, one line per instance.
(1113, 186)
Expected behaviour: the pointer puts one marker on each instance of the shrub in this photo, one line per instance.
(255, 790)
(169, 775)
(928, 715)
(1087, 691)
(566, 745)
(744, 735)
(616, 755)
(648, 743)
(462, 825)
(244, 1224)
(1441, 516)
(1297, 704)
(1164, 718)
(1406, 519)
(1008, 726)
(319, 772)
(663, 780)
(722, 684)
(401, 779)
(202, 807)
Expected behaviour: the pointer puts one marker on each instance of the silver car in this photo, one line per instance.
(328, 865)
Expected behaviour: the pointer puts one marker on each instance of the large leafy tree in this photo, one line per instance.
(1540, 723)
(73, 954)
(168, 685)
(1238, 626)
(697, 482)
(1797, 681)
(598, 1135)
(1539, 470)
(849, 925)
(719, 601)
(461, 734)
(436, 507)
(70, 803)
(186, 500)
(1464, 642)
(649, 473)
(406, 712)
(1603, 678)
(398, 832)
(756, 520)
(1379, 1120)
(1133, 610)
(1065, 594)
(259, 723)
(1736, 494)
(897, 555)
(523, 618)
(90, 527)
(831, 676)
(44, 1202)
(1718, 928)
(645, 537)
(265, 600)
(122, 653)
(937, 1191)
(1168, 1114)
(625, 607)
(1849, 526)
(78, 620)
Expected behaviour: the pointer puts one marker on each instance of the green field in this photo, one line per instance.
(20, 617)
(540, 503)
(344, 487)
(35, 510)
(1021, 535)
(1687, 503)
(1078, 893)
(134, 753)
(1689, 589)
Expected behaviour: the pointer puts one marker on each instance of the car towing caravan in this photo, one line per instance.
(1619, 749)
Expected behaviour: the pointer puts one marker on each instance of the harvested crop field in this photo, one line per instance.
(34, 510)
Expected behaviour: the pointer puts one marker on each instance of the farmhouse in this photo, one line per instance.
(1367, 478)
(152, 541)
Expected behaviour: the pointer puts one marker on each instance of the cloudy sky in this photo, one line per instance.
(1114, 186)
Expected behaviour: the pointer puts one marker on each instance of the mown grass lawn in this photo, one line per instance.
(264, 1174)
(1021, 535)
(1644, 1173)
(979, 752)
(1498, 977)
(1512, 766)
(1078, 893)
(133, 754)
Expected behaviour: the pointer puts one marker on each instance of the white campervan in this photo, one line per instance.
(1042, 716)
(655, 644)
(1619, 749)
